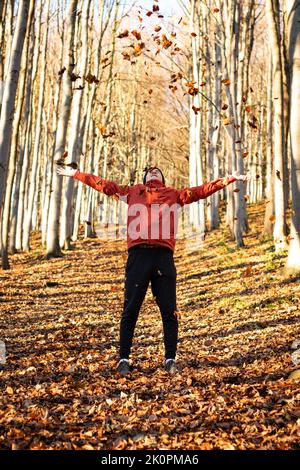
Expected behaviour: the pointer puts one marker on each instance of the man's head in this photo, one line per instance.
(153, 173)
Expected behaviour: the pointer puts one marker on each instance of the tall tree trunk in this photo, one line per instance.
(269, 211)
(53, 247)
(14, 142)
(106, 143)
(279, 176)
(196, 210)
(7, 109)
(75, 142)
(293, 9)
(38, 127)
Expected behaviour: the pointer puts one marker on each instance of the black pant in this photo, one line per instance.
(143, 265)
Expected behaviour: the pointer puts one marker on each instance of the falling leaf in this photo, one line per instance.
(278, 174)
(90, 78)
(227, 121)
(226, 81)
(252, 125)
(138, 48)
(73, 165)
(165, 42)
(272, 218)
(190, 84)
(196, 110)
(191, 89)
(124, 34)
(101, 128)
(136, 34)
(125, 55)
(74, 77)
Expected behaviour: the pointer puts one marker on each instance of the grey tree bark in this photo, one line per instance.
(53, 246)
(8, 102)
(293, 10)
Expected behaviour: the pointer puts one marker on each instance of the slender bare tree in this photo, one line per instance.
(53, 247)
(279, 174)
(38, 127)
(293, 11)
(14, 142)
(8, 102)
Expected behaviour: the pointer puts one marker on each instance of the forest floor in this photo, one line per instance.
(238, 316)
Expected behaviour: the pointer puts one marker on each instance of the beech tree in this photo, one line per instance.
(53, 247)
(8, 101)
(293, 14)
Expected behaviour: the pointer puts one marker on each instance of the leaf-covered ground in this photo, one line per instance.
(238, 318)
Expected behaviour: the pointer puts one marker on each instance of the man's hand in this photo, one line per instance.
(65, 171)
(239, 177)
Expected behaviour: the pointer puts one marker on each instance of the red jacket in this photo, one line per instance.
(151, 207)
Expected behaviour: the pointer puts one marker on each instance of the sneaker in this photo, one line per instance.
(123, 367)
(170, 366)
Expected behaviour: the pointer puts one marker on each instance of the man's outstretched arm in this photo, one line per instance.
(107, 187)
(189, 195)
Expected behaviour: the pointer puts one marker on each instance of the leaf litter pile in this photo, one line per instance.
(238, 317)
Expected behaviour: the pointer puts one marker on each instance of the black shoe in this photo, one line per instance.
(123, 367)
(170, 366)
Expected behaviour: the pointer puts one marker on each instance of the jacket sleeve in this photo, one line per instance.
(189, 195)
(102, 185)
